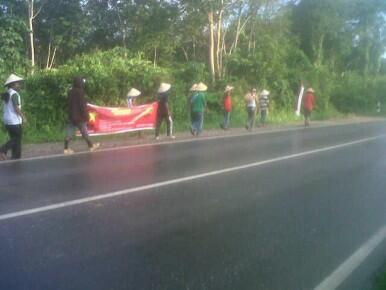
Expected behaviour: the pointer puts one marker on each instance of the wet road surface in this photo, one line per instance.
(285, 224)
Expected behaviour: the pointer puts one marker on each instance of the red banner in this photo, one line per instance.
(107, 120)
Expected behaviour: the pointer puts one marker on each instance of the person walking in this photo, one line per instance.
(263, 106)
(250, 100)
(198, 105)
(163, 112)
(193, 92)
(227, 105)
(78, 116)
(308, 105)
(13, 117)
(131, 95)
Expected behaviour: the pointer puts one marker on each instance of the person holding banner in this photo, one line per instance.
(308, 106)
(78, 116)
(163, 112)
(198, 105)
(131, 95)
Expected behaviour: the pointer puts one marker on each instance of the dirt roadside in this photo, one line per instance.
(114, 141)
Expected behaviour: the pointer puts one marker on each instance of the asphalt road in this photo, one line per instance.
(280, 210)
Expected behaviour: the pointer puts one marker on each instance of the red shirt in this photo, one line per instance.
(309, 102)
(228, 103)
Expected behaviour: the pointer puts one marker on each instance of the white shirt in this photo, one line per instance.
(252, 102)
(10, 116)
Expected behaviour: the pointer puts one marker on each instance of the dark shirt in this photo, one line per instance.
(163, 104)
(77, 106)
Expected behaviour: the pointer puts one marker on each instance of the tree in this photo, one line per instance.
(60, 31)
(12, 38)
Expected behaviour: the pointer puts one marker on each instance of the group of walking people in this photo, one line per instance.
(254, 103)
(78, 116)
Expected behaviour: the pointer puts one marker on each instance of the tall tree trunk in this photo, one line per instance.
(219, 41)
(31, 17)
(240, 27)
(48, 55)
(211, 46)
(319, 51)
(252, 36)
(185, 53)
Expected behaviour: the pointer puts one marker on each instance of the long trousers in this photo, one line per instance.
(169, 124)
(14, 142)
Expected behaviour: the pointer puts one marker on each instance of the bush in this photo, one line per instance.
(358, 94)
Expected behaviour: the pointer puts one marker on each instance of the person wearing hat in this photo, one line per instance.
(131, 95)
(192, 94)
(227, 105)
(163, 112)
(308, 105)
(263, 106)
(78, 116)
(198, 105)
(13, 117)
(250, 99)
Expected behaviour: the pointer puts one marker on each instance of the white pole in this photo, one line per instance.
(300, 100)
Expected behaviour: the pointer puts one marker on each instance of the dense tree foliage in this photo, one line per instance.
(336, 46)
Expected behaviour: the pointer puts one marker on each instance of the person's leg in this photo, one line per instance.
(70, 131)
(169, 126)
(253, 118)
(193, 127)
(222, 125)
(14, 142)
(9, 144)
(307, 114)
(251, 113)
(263, 115)
(226, 120)
(16, 149)
(83, 131)
(249, 110)
(200, 122)
(158, 125)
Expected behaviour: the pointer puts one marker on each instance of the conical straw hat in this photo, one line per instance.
(133, 93)
(201, 87)
(164, 87)
(228, 88)
(13, 79)
(264, 93)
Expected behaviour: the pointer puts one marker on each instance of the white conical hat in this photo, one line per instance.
(193, 88)
(264, 93)
(164, 87)
(13, 79)
(310, 90)
(201, 87)
(228, 88)
(133, 93)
